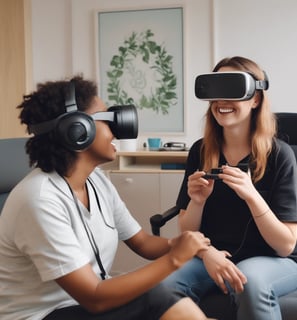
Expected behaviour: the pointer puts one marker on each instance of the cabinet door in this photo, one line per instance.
(141, 193)
(169, 188)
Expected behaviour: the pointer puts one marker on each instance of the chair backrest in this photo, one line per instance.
(287, 128)
(14, 165)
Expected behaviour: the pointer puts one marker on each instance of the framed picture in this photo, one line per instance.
(140, 62)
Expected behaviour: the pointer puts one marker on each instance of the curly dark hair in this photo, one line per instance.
(47, 103)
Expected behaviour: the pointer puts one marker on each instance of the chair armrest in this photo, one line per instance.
(159, 220)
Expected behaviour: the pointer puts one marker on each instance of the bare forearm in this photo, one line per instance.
(182, 249)
(99, 296)
(153, 247)
(280, 236)
(190, 219)
(110, 295)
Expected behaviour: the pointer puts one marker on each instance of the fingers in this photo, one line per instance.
(233, 173)
(221, 283)
(187, 245)
(196, 179)
(227, 253)
(235, 278)
(199, 188)
(224, 271)
(206, 241)
(199, 240)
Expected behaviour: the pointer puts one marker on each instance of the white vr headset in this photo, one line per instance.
(235, 85)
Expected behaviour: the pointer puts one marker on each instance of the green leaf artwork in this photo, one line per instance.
(141, 74)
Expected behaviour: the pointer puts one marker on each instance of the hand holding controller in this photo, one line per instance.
(214, 173)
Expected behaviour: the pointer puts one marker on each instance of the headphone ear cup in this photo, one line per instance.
(75, 130)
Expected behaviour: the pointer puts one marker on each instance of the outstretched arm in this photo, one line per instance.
(99, 296)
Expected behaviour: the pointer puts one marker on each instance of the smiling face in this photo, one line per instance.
(230, 113)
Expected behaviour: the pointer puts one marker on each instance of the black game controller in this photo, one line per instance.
(214, 173)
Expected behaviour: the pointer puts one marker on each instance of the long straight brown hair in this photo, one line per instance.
(262, 131)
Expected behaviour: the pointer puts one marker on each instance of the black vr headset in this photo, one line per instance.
(76, 130)
(228, 86)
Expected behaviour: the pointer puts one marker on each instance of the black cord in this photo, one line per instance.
(243, 238)
(89, 232)
(98, 203)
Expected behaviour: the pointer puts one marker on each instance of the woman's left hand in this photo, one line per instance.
(239, 181)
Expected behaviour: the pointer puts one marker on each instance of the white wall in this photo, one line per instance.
(266, 31)
(63, 36)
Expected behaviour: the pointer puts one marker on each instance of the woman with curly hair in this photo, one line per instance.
(60, 226)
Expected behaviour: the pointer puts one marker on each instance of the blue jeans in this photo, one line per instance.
(268, 279)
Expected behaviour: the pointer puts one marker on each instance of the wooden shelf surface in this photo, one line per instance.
(146, 161)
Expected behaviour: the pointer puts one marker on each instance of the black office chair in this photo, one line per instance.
(216, 304)
(14, 165)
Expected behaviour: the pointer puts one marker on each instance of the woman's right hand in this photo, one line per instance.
(186, 246)
(222, 269)
(199, 188)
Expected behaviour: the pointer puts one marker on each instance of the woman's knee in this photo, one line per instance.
(256, 272)
(184, 309)
(260, 278)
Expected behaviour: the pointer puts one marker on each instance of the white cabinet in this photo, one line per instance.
(146, 190)
(140, 192)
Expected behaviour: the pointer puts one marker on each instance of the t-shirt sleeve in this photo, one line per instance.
(126, 224)
(45, 234)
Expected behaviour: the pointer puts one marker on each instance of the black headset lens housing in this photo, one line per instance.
(125, 123)
(228, 86)
(122, 121)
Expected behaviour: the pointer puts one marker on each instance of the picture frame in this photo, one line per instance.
(140, 62)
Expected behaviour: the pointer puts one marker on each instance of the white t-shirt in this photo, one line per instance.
(42, 237)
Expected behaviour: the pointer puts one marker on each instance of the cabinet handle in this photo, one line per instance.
(129, 180)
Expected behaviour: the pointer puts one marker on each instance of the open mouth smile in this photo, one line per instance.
(225, 110)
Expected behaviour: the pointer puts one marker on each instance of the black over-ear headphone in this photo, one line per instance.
(76, 130)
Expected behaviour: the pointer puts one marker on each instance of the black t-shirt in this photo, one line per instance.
(226, 218)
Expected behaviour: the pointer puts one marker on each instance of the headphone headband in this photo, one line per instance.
(70, 101)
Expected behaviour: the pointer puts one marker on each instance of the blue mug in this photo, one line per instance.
(154, 143)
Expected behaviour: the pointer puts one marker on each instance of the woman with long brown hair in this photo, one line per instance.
(248, 209)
